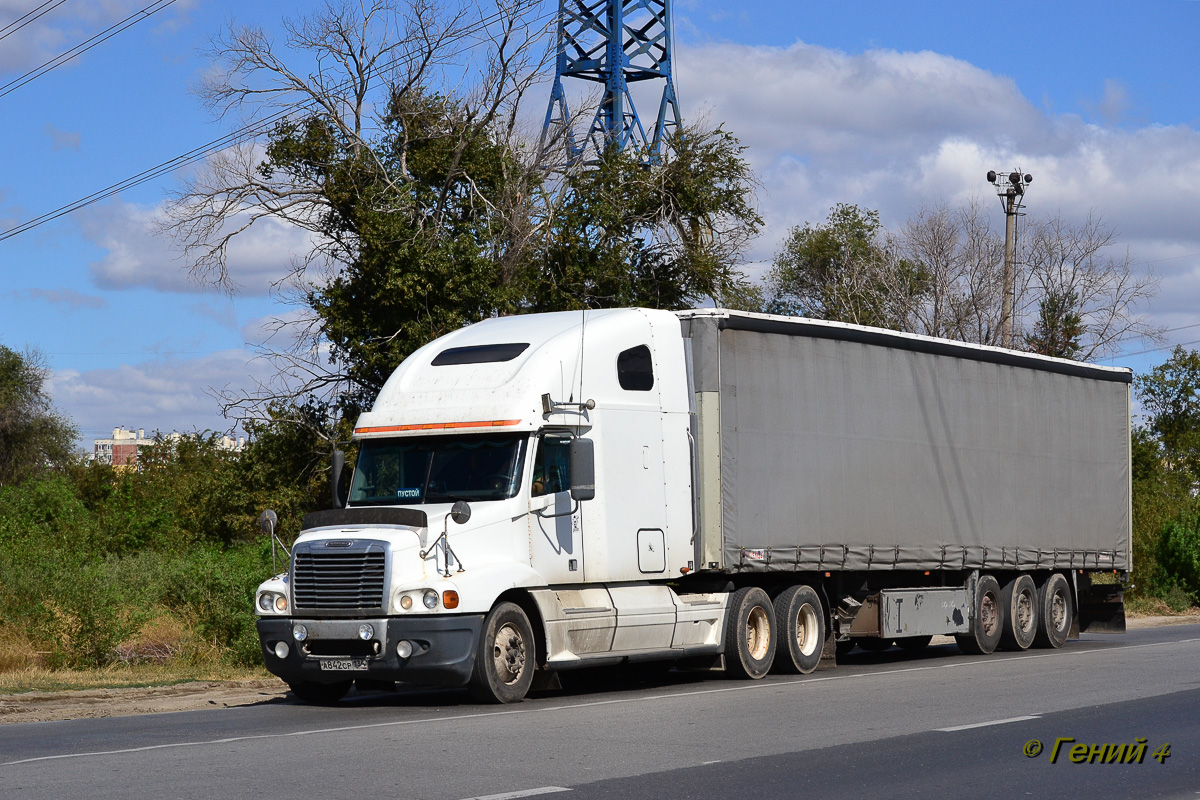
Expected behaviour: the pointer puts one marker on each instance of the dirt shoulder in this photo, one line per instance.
(196, 695)
(192, 696)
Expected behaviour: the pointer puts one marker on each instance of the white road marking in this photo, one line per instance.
(523, 793)
(747, 687)
(986, 724)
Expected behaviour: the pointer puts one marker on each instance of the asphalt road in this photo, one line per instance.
(883, 725)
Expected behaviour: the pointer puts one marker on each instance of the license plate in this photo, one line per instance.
(344, 665)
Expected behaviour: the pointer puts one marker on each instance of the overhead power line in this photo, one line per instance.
(28, 17)
(240, 135)
(83, 47)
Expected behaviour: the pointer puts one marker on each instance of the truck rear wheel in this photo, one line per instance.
(320, 693)
(504, 661)
(1019, 600)
(1055, 612)
(749, 638)
(800, 621)
(987, 619)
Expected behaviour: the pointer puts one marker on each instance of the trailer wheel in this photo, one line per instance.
(914, 644)
(1019, 600)
(749, 638)
(320, 693)
(504, 661)
(987, 619)
(800, 621)
(1055, 612)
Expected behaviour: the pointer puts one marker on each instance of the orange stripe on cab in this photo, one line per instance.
(440, 426)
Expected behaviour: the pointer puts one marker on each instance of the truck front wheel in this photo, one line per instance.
(505, 660)
(320, 693)
(749, 634)
(987, 619)
(800, 621)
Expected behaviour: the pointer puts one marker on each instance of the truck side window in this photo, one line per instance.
(551, 466)
(635, 370)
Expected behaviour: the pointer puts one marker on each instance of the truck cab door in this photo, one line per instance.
(555, 523)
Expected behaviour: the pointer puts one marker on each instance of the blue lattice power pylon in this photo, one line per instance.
(615, 43)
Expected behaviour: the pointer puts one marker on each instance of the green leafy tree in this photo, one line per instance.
(667, 233)
(1170, 399)
(33, 438)
(847, 270)
(1059, 328)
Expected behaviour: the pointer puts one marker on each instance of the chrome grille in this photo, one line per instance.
(344, 578)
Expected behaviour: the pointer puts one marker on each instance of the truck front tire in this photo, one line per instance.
(320, 693)
(987, 619)
(749, 634)
(504, 662)
(800, 623)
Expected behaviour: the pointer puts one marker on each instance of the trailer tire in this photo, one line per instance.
(324, 694)
(1055, 612)
(987, 619)
(1019, 600)
(504, 662)
(749, 634)
(913, 644)
(800, 622)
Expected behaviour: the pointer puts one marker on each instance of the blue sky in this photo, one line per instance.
(887, 105)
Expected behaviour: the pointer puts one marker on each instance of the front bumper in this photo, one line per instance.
(443, 649)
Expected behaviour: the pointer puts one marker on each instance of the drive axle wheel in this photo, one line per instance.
(504, 661)
(1018, 599)
(987, 619)
(749, 639)
(800, 621)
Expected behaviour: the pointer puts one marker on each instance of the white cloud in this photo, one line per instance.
(892, 131)
(139, 256)
(62, 140)
(63, 296)
(169, 394)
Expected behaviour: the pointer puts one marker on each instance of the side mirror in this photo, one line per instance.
(336, 479)
(583, 469)
(267, 522)
(460, 512)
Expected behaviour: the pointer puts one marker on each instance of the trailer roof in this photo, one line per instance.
(844, 331)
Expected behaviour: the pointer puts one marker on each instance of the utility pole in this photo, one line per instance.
(1011, 189)
(615, 43)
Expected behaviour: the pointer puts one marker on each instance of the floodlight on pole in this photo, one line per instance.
(1011, 190)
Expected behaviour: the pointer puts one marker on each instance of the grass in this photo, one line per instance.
(1156, 607)
(120, 676)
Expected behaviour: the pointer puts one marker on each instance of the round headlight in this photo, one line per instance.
(404, 648)
(406, 602)
(282, 650)
(299, 632)
(264, 601)
(430, 599)
(281, 602)
(366, 631)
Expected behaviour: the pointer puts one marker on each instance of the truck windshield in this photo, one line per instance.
(437, 469)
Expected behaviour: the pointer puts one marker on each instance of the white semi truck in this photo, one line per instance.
(717, 489)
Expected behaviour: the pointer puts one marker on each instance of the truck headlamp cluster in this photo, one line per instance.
(272, 602)
(430, 599)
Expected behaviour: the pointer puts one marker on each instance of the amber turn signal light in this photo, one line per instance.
(450, 598)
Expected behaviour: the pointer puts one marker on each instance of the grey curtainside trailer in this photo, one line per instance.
(891, 459)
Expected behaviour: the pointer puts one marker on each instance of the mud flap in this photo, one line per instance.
(1101, 607)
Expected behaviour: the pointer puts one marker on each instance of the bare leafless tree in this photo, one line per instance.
(964, 259)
